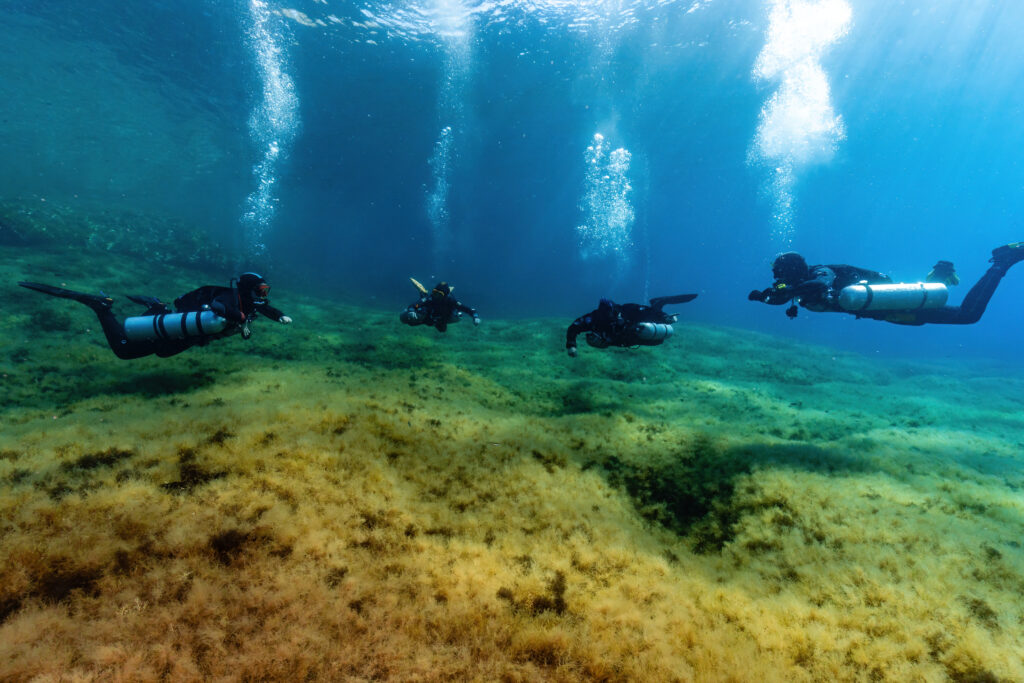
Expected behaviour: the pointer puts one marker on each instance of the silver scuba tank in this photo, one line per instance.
(653, 331)
(906, 296)
(174, 326)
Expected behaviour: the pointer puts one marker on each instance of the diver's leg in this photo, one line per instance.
(101, 306)
(974, 304)
(173, 347)
(123, 348)
(972, 307)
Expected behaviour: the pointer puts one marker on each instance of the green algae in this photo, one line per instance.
(805, 519)
(100, 232)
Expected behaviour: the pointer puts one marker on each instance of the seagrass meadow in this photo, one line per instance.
(368, 501)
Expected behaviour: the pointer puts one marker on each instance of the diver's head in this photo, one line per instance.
(440, 291)
(253, 287)
(605, 305)
(790, 268)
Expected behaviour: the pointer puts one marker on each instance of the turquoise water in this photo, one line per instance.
(347, 498)
(311, 139)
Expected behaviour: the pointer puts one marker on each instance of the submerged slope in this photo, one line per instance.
(381, 502)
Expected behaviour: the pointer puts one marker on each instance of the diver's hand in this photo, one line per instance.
(756, 295)
(571, 350)
(284, 320)
(476, 320)
(792, 311)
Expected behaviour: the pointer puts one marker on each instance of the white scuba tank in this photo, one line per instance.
(904, 296)
(653, 331)
(174, 326)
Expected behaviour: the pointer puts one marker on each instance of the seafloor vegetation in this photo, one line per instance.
(375, 502)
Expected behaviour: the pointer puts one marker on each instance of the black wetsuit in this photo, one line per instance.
(820, 292)
(227, 302)
(612, 324)
(435, 311)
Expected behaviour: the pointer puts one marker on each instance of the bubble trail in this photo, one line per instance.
(451, 22)
(606, 203)
(798, 126)
(437, 198)
(273, 125)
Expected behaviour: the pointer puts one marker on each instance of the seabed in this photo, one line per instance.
(339, 501)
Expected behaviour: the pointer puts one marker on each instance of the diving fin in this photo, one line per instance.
(91, 300)
(153, 305)
(144, 300)
(1008, 254)
(660, 301)
(423, 290)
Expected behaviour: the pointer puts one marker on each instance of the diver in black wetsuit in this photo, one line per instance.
(612, 324)
(436, 308)
(817, 288)
(215, 312)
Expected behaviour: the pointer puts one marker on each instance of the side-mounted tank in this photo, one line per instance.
(653, 332)
(174, 326)
(904, 296)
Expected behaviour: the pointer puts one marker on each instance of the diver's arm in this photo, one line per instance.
(464, 308)
(815, 289)
(578, 326)
(467, 310)
(225, 307)
(273, 313)
(776, 295)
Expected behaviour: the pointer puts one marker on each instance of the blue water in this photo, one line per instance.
(309, 138)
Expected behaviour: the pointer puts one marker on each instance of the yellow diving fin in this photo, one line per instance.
(423, 290)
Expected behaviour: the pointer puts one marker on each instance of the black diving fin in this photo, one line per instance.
(91, 300)
(660, 301)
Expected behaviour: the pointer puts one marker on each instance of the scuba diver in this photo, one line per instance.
(868, 294)
(207, 313)
(436, 308)
(626, 325)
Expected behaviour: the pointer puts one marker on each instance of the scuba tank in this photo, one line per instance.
(896, 297)
(174, 326)
(653, 332)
